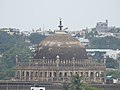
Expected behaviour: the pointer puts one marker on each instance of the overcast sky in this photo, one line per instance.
(76, 14)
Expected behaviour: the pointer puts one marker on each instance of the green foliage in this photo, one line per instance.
(91, 34)
(111, 63)
(36, 38)
(5, 41)
(76, 84)
(108, 42)
(114, 73)
(10, 46)
(114, 30)
(6, 73)
(9, 56)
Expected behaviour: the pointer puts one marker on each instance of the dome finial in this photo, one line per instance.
(60, 26)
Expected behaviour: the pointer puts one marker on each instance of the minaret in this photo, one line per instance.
(60, 26)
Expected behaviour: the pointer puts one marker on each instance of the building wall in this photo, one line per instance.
(60, 70)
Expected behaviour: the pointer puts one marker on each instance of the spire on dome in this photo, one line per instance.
(60, 26)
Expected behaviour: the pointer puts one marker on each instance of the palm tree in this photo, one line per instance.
(76, 84)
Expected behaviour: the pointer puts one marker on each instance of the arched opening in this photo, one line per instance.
(27, 75)
(22, 75)
(31, 75)
(40, 74)
(97, 74)
(50, 74)
(45, 74)
(55, 74)
(18, 75)
(81, 73)
(36, 74)
(76, 73)
(86, 74)
(60, 74)
(71, 73)
(92, 75)
(65, 74)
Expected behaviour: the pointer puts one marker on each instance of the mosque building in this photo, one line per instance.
(57, 58)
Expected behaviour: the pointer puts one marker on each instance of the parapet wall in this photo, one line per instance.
(18, 85)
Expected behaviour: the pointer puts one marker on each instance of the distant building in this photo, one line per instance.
(11, 31)
(107, 52)
(105, 34)
(25, 33)
(43, 32)
(102, 26)
(113, 54)
(84, 41)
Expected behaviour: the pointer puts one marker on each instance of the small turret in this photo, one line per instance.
(16, 59)
(107, 23)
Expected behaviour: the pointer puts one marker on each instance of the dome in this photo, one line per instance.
(60, 44)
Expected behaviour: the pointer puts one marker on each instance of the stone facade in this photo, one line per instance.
(57, 58)
(60, 70)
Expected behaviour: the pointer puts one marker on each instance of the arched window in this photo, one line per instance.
(45, 74)
(50, 74)
(60, 74)
(27, 73)
(65, 74)
(92, 75)
(40, 74)
(22, 73)
(71, 73)
(81, 73)
(36, 73)
(55, 74)
(86, 74)
(76, 73)
(31, 75)
(97, 74)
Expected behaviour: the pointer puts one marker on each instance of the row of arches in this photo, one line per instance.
(30, 75)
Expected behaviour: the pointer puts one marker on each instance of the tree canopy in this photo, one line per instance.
(77, 84)
(10, 46)
(108, 42)
(36, 38)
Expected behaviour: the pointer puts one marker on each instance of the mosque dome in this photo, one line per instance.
(60, 44)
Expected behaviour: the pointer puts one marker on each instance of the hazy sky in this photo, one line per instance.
(76, 14)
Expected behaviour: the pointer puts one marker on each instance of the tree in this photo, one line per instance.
(108, 42)
(76, 84)
(113, 73)
(36, 38)
(91, 34)
(10, 46)
(111, 63)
